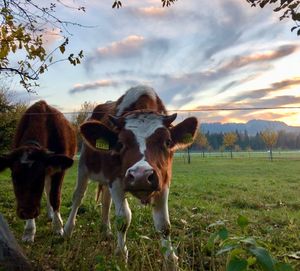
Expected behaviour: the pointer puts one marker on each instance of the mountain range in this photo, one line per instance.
(252, 127)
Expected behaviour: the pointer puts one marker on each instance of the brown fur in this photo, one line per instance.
(46, 140)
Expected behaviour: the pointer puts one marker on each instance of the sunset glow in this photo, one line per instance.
(196, 54)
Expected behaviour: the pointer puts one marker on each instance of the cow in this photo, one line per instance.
(43, 148)
(128, 147)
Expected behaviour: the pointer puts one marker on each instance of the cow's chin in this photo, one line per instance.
(143, 196)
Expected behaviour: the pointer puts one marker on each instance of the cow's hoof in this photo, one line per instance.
(105, 233)
(171, 264)
(59, 232)
(28, 238)
(122, 253)
(67, 232)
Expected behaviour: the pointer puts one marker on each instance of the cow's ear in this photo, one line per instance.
(57, 162)
(5, 162)
(98, 136)
(183, 134)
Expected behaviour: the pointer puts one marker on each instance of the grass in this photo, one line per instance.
(203, 192)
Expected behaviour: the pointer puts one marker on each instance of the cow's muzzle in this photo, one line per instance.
(141, 179)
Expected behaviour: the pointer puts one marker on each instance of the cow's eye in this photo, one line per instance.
(169, 143)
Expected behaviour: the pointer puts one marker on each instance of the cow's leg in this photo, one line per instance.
(81, 186)
(47, 192)
(55, 199)
(160, 214)
(29, 231)
(106, 203)
(123, 217)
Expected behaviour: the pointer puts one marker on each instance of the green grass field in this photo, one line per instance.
(203, 192)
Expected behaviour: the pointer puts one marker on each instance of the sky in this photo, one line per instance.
(197, 55)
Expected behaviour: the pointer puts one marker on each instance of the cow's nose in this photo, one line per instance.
(139, 173)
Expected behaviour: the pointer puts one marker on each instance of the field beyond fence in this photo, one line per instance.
(208, 190)
(286, 154)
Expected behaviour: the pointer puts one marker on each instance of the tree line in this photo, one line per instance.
(238, 141)
(11, 111)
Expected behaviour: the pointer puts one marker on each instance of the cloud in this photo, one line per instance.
(261, 93)
(124, 48)
(132, 47)
(89, 86)
(152, 12)
(257, 57)
(79, 88)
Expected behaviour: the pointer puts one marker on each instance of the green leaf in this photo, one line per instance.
(251, 261)
(223, 233)
(237, 264)
(263, 258)
(243, 222)
(211, 240)
(283, 267)
(226, 249)
(218, 223)
(249, 241)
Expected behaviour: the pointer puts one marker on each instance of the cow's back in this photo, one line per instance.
(47, 127)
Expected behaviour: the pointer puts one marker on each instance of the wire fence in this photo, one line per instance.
(197, 110)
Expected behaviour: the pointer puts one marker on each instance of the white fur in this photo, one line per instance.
(29, 231)
(142, 127)
(143, 164)
(132, 95)
(57, 223)
(123, 213)
(160, 215)
(81, 186)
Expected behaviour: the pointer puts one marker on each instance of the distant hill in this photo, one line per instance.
(252, 127)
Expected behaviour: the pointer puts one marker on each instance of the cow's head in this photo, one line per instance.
(29, 167)
(145, 143)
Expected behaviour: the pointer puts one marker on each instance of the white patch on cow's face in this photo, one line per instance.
(132, 95)
(143, 127)
(143, 164)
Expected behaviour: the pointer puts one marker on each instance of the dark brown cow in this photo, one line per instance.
(132, 152)
(43, 148)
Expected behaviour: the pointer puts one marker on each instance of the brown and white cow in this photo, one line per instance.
(129, 146)
(43, 148)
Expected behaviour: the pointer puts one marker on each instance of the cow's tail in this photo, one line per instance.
(98, 193)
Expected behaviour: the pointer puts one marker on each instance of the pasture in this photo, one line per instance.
(208, 190)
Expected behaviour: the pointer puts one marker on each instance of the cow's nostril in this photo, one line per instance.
(130, 177)
(151, 178)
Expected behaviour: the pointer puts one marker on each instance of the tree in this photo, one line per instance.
(10, 114)
(229, 141)
(79, 117)
(202, 142)
(288, 9)
(25, 25)
(270, 139)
